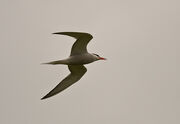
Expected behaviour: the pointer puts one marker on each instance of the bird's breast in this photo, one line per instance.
(80, 59)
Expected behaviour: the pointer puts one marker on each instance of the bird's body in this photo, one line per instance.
(78, 57)
(82, 59)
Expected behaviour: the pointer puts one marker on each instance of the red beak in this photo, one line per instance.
(101, 58)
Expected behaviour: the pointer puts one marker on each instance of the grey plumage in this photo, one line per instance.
(78, 57)
(77, 71)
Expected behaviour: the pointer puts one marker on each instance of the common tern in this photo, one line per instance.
(78, 57)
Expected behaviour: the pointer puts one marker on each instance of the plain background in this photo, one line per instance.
(138, 84)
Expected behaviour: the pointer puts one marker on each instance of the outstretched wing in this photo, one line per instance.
(80, 46)
(77, 71)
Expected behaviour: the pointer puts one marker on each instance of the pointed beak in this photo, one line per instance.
(101, 58)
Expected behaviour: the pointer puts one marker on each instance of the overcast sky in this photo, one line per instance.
(138, 84)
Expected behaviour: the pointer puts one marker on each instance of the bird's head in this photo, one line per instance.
(98, 57)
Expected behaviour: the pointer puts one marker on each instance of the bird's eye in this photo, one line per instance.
(96, 55)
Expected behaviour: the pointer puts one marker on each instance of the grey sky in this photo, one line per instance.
(139, 84)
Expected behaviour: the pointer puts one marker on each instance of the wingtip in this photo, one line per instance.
(45, 63)
(44, 97)
(47, 96)
(56, 33)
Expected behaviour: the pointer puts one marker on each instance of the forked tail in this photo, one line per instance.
(56, 62)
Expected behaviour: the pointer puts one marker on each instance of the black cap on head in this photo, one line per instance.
(96, 55)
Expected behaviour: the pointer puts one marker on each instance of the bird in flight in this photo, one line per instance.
(78, 57)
